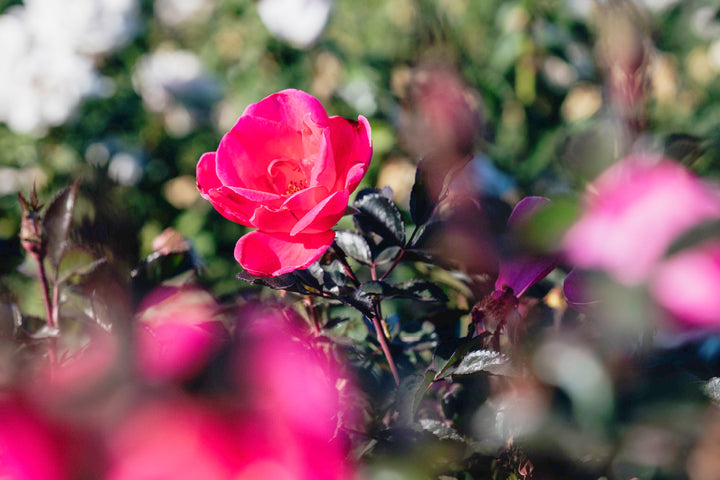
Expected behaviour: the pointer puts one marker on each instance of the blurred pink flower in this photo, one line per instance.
(633, 212)
(173, 440)
(688, 283)
(176, 333)
(30, 449)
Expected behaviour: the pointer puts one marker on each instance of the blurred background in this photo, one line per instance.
(127, 94)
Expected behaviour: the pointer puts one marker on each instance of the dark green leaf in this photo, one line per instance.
(361, 301)
(77, 263)
(158, 267)
(440, 429)
(420, 290)
(335, 275)
(388, 255)
(56, 223)
(377, 288)
(409, 394)
(286, 281)
(483, 361)
(353, 245)
(378, 214)
(448, 355)
(684, 148)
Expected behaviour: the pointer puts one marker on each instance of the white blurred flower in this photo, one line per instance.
(42, 83)
(173, 82)
(298, 22)
(175, 12)
(88, 26)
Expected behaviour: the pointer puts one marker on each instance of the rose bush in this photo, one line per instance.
(286, 169)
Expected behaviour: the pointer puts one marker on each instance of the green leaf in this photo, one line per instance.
(354, 245)
(448, 355)
(440, 429)
(409, 394)
(420, 290)
(379, 215)
(77, 263)
(56, 223)
(388, 255)
(286, 281)
(335, 275)
(484, 361)
(377, 288)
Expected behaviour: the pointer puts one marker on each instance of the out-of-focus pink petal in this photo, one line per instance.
(271, 255)
(172, 440)
(176, 333)
(246, 151)
(207, 178)
(575, 288)
(292, 107)
(634, 211)
(29, 448)
(352, 149)
(688, 285)
(323, 216)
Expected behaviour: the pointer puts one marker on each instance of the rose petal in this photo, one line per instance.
(290, 107)
(324, 170)
(247, 150)
(271, 255)
(352, 150)
(206, 175)
(635, 210)
(323, 216)
(239, 204)
(687, 285)
(284, 217)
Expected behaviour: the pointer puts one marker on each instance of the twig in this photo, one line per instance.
(385, 347)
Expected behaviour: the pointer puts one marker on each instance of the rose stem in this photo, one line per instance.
(343, 260)
(313, 315)
(46, 293)
(384, 345)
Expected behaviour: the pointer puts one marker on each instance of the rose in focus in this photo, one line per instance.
(287, 170)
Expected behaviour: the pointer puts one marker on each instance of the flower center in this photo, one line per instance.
(295, 186)
(287, 176)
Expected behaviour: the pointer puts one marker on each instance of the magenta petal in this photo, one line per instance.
(246, 151)
(271, 255)
(206, 175)
(688, 285)
(238, 204)
(523, 272)
(352, 148)
(324, 215)
(291, 107)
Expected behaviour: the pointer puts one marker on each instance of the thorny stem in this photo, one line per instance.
(384, 345)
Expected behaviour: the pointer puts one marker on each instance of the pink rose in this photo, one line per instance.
(633, 212)
(286, 169)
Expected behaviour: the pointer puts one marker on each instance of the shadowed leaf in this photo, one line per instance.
(56, 223)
